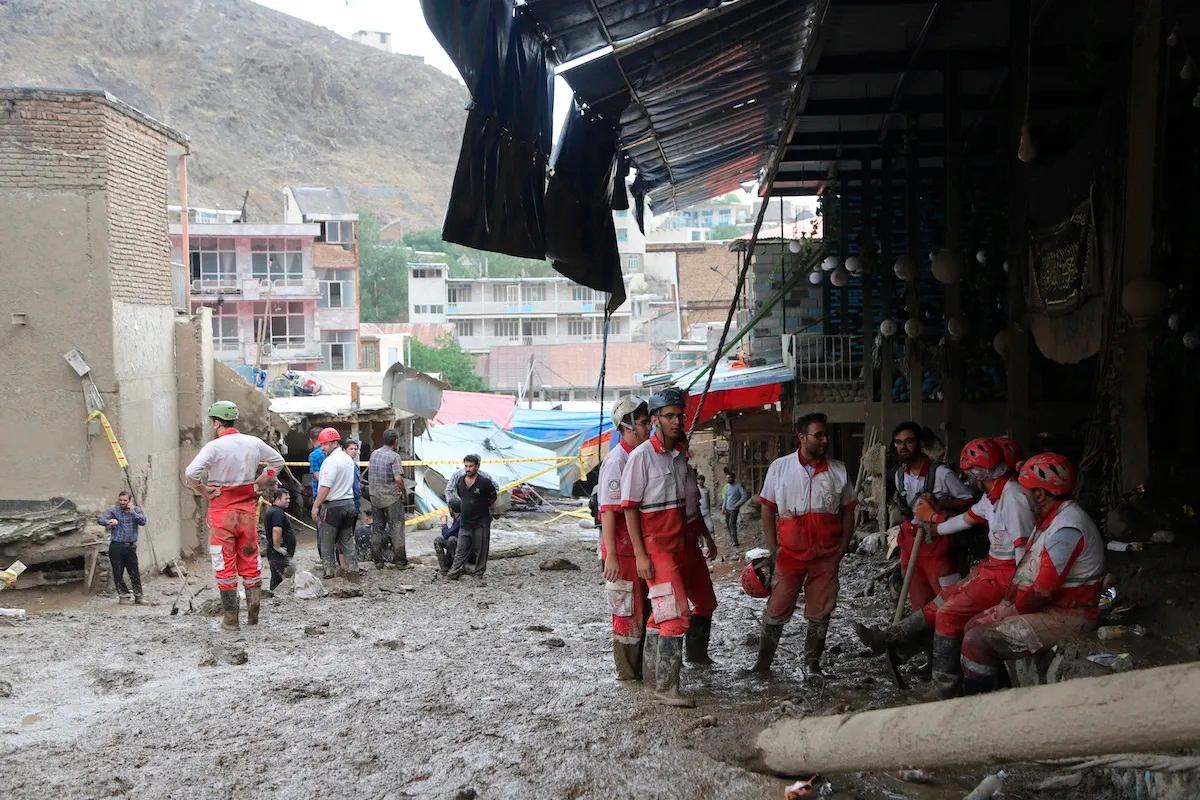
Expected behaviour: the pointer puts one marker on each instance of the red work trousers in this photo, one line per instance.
(666, 553)
(992, 637)
(697, 579)
(629, 630)
(818, 579)
(233, 545)
(935, 568)
(950, 611)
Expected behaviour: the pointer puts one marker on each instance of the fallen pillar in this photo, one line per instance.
(1139, 711)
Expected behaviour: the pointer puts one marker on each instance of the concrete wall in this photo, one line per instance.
(194, 367)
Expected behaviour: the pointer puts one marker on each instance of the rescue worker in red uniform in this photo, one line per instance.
(653, 494)
(696, 578)
(226, 471)
(1006, 511)
(627, 592)
(1056, 589)
(917, 478)
(807, 521)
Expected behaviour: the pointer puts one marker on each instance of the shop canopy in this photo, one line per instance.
(734, 390)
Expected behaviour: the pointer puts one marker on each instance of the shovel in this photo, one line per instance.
(892, 659)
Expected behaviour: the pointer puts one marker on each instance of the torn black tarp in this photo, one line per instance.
(496, 202)
(581, 237)
(576, 30)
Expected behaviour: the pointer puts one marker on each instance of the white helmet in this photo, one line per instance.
(627, 407)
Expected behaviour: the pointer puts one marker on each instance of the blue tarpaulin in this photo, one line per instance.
(564, 432)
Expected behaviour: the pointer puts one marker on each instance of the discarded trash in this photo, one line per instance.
(1108, 597)
(914, 776)
(872, 544)
(758, 552)
(988, 787)
(307, 585)
(15, 613)
(1163, 537)
(9, 576)
(1121, 547)
(5, 689)
(805, 787)
(1120, 631)
(1117, 662)
(557, 564)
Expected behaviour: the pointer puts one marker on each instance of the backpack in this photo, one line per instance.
(906, 511)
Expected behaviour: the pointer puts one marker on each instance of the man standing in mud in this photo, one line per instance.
(476, 494)
(225, 471)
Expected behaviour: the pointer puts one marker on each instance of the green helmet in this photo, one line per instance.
(223, 409)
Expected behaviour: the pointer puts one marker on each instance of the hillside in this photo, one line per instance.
(267, 99)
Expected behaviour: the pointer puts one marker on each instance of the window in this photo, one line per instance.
(337, 288)
(426, 272)
(337, 348)
(429, 309)
(724, 216)
(339, 232)
(276, 259)
(533, 292)
(506, 293)
(506, 328)
(622, 235)
(621, 213)
(458, 293)
(634, 262)
(583, 294)
(464, 327)
(579, 326)
(533, 327)
(370, 356)
(706, 218)
(616, 325)
(284, 323)
(696, 236)
(213, 263)
(224, 326)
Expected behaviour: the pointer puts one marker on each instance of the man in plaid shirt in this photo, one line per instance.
(122, 522)
(385, 475)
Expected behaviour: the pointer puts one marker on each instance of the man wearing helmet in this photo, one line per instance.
(333, 507)
(627, 592)
(1056, 589)
(225, 471)
(653, 495)
(1006, 511)
(807, 521)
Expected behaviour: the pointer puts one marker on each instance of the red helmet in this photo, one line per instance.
(328, 435)
(1048, 471)
(982, 454)
(1011, 450)
(754, 581)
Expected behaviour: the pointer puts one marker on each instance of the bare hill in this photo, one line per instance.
(267, 99)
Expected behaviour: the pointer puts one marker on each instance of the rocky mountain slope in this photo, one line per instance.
(267, 99)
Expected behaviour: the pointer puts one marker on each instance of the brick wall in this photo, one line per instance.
(140, 250)
(334, 255)
(707, 276)
(51, 142)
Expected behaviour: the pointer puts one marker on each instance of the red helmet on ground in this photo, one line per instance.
(1011, 450)
(1048, 471)
(984, 455)
(328, 435)
(754, 580)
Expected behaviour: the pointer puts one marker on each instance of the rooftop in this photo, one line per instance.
(118, 105)
(322, 202)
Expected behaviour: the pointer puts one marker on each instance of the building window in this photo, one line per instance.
(633, 262)
(337, 348)
(706, 218)
(213, 263)
(622, 235)
(429, 309)
(533, 327)
(579, 326)
(276, 260)
(225, 326)
(506, 293)
(696, 236)
(458, 293)
(533, 292)
(426, 272)
(284, 323)
(337, 288)
(464, 327)
(583, 294)
(621, 213)
(370, 356)
(724, 216)
(616, 325)
(506, 328)
(339, 232)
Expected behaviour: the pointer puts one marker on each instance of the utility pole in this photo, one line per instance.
(529, 384)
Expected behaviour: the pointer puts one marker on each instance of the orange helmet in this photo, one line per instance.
(982, 455)
(328, 435)
(1011, 450)
(1048, 471)
(754, 582)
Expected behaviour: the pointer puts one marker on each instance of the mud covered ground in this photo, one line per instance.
(500, 688)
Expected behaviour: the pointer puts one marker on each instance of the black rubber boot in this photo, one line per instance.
(649, 657)
(814, 645)
(911, 629)
(666, 673)
(947, 669)
(253, 604)
(626, 657)
(977, 686)
(400, 558)
(768, 643)
(229, 610)
(698, 633)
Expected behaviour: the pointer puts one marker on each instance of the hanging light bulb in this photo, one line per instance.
(1196, 100)
(913, 328)
(1173, 37)
(1191, 340)
(947, 267)
(981, 257)
(906, 268)
(793, 247)
(814, 278)
(839, 277)
(1000, 343)
(1027, 150)
(830, 264)
(956, 326)
(1143, 299)
(1189, 69)
(854, 265)
(1004, 266)
(1175, 321)
(888, 328)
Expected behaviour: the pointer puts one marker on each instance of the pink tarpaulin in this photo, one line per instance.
(475, 407)
(733, 400)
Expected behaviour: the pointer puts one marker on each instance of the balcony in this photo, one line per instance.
(481, 342)
(827, 359)
(278, 288)
(549, 307)
(279, 351)
(224, 284)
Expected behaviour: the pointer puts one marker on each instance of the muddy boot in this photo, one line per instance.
(229, 610)
(947, 670)
(124, 599)
(138, 601)
(972, 686)
(666, 673)
(400, 558)
(698, 633)
(768, 643)
(878, 640)
(253, 604)
(626, 656)
(649, 657)
(814, 646)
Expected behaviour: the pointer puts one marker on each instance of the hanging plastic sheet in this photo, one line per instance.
(496, 202)
(575, 29)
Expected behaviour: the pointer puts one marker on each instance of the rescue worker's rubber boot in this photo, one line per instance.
(649, 657)
(626, 656)
(814, 647)
(669, 662)
(698, 633)
(972, 686)
(878, 640)
(768, 643)
(253, 604)
(400, 558)
(947, 669)
(229, 610)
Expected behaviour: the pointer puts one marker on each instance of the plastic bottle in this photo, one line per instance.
(1120, 631)
(1163, 537)
(988, 787)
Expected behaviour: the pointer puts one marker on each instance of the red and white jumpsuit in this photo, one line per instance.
(655, 484)
(1054, 593)
(696, 577)
(809, 499)
(935, 567)
(230, 462)
(1006, 511)
(627, 630)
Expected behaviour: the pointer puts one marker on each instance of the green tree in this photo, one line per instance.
(383, 275)
(723, 233)
(455, 365)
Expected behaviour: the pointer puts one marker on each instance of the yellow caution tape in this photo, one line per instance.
(442, 512)
(556, 459)
(118, 453)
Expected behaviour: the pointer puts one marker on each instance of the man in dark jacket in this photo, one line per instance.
(476, 493)
(445, 544)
